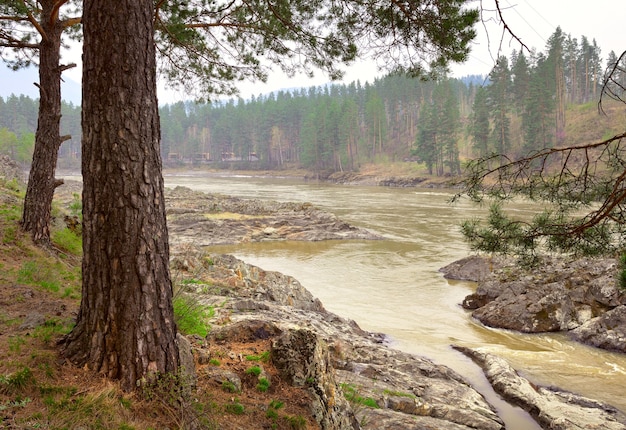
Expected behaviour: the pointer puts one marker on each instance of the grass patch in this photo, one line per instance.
(50, 275)
(254, 370)
(263, 357)
(235, 408)
(16, 381)
(351, 394)
(263, 385)
(51, 329)
(68, 241)
(191, 317)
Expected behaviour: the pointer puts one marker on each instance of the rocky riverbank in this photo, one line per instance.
(330, 357)
(580, 297)
(352, 379)
(216, 219)
(336, 362)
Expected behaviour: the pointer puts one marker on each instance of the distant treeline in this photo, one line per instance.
(518, 108)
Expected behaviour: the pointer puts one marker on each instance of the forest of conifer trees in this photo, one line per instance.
(519, 107)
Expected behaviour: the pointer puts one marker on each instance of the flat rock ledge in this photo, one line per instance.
(205, 219)
(333, 359)
(580, 297)
(553, 409)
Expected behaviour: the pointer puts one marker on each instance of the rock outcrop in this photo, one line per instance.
(580, 297)
(552, 408)
(354, 378)
(206, 219)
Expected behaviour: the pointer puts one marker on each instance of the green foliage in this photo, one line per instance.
(51, 329)
(15, 343)
(16, 381)
(17, 403)
(191, 317)
(254, 370)
(437, 137)
(229, 387)
(264, 357)
(76, 205)
(68, 241)
(50, 275)
(351, 394)
(263, 385)
(276, 404)
(297, 422)
(235, 408)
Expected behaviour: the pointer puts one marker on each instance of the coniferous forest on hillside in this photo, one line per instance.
(521, 106)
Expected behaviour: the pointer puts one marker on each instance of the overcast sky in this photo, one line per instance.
(533, 21)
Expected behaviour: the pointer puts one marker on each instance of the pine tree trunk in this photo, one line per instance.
(125, 327)
(41, 181)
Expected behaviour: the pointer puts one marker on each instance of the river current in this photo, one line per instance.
(393, 285)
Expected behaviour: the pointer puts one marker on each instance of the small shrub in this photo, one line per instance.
(235, 408)
(191, 317)
(263, 385)
(16, 381)
(254, 370)
(214, 362)
(276, 404)
(229, 386)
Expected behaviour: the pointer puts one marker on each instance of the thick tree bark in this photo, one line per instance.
(125, 327)
(41, 181)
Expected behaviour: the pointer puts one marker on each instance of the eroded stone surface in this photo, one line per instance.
(553, 409)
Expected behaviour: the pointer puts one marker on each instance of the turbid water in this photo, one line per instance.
(393, 285)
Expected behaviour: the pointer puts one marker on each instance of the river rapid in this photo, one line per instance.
(393, 286)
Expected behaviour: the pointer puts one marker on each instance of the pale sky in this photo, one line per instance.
(533, 21)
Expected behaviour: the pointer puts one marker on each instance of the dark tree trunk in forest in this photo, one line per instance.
(41, 181)
(125, 327)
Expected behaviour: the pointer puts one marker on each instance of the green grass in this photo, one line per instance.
(351, 394)
(254, 370)
(191, 317)
(263, 385)
(51, 329)
(235, 408)
(264, 357)
(16, 381)
(50, 275)
(68, 241)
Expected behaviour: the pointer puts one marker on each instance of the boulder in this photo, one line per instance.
(304, 361)
(553, 409)
(473, 268)
(556, 295)
(608, 331)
